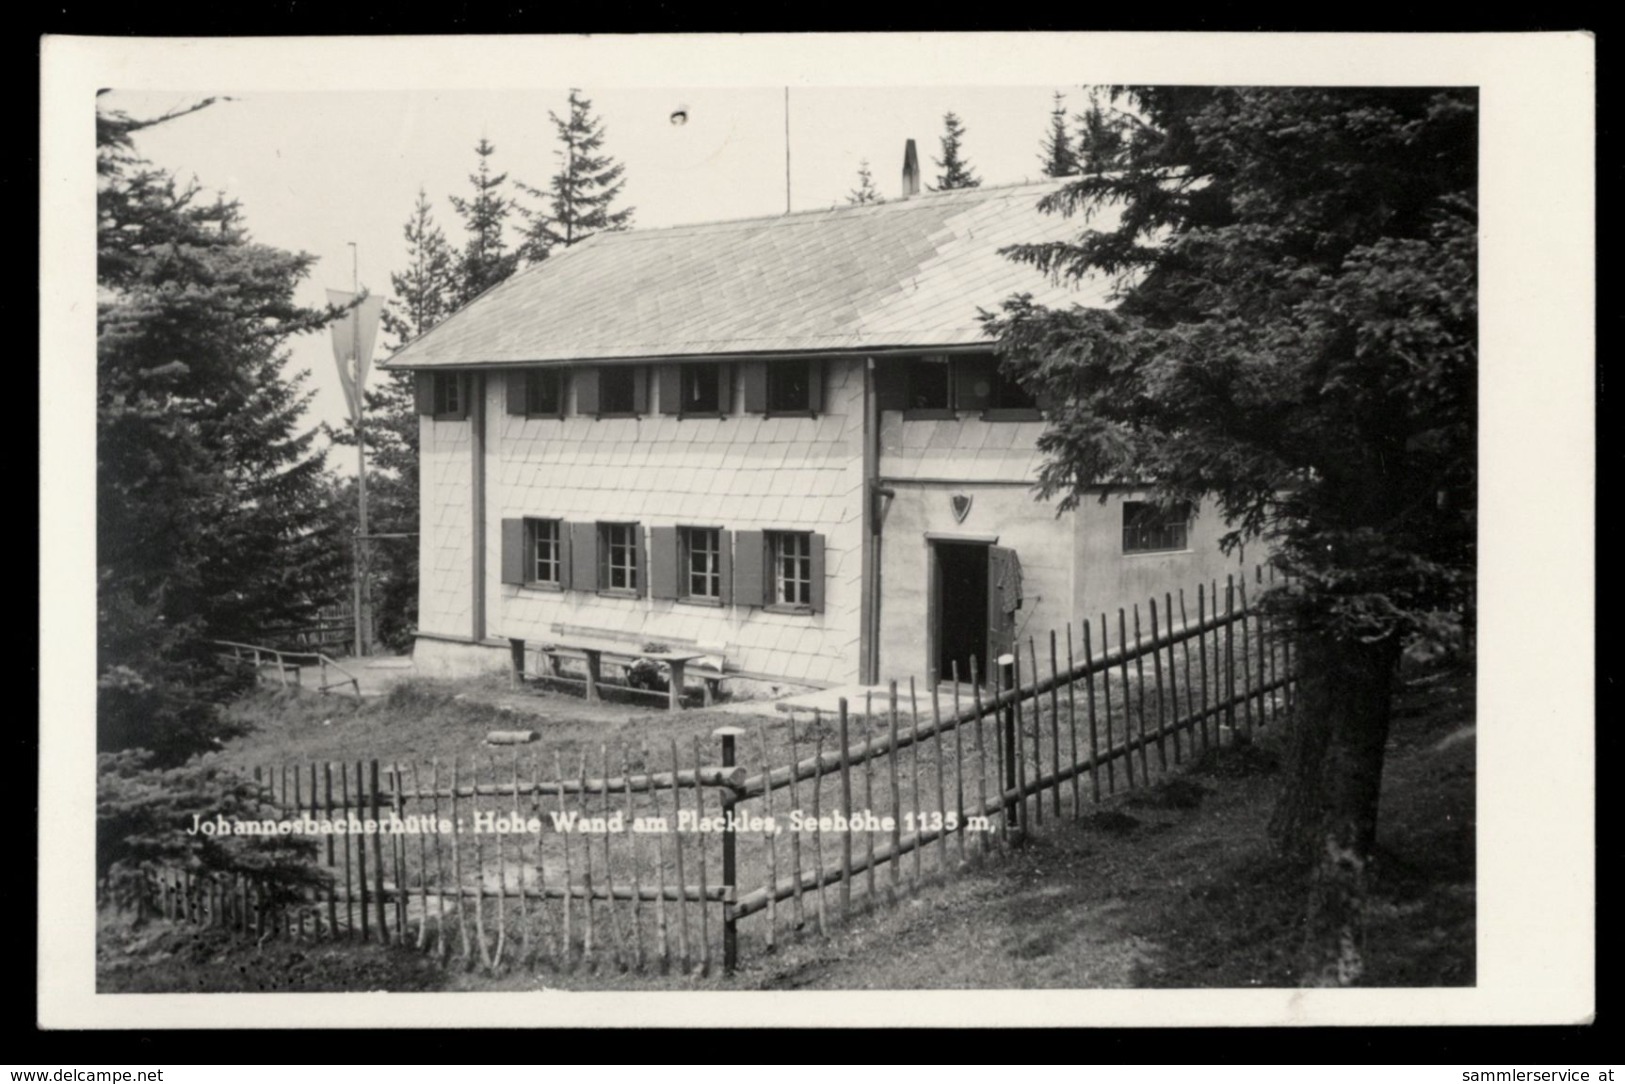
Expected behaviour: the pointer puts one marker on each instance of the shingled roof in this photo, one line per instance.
(910, 273)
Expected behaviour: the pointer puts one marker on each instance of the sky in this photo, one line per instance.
(315, 171)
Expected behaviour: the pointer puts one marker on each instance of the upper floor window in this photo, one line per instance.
(536, 393)
(616, 394)
(544, 393)
(696, 389)
(1008, 394)
(1152, 528)
(930, 383)
(944, 386)
(701, 389)
(443, 396)
(788, 386)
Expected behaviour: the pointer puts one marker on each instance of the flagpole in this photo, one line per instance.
(361, 621)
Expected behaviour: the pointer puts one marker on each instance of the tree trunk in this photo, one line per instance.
(1328, 813)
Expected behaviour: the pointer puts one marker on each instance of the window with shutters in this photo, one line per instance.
(544, 393)
(1152, 528)
(617, 390)
(699, 561)
(545, 547)
(701, 389)
(450, 397)
(792, 568)
(618, 557)
(789, 387)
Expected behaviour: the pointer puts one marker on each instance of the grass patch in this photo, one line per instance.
(1184, 892)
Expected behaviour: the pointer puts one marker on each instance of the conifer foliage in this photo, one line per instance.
(956, 172)
(865, 192)
(1056, 150)
(579, 200)
(1104, 132)
(1295, 347)
(213, 513)
(486, 259)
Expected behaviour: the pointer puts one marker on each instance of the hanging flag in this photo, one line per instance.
(353, 338)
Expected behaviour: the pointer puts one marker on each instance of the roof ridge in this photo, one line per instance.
(878, 207)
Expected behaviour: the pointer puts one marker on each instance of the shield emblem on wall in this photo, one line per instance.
(961, 506)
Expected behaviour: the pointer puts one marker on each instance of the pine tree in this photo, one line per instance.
(212, 520)
(426, 292)
(1296, 345)
(1103, 134)
(865, 192)
(1059, 159)
(580, 195)
(485, 259)
(956, 172)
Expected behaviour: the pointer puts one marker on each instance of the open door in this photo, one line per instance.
(1003, 600)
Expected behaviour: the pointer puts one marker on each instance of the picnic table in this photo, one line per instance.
(593, 652)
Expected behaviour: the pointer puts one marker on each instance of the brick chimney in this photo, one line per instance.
(911, 170)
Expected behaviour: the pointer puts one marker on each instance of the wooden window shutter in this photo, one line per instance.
(725, 566)
(750, 569)
(518, 381)
(816, 595)
(755, 387)
(663, 555)
(583, 556)
(815, 386)
(640, 389)
(513, 551)
(564, 554)
(640, 559)
(891, 384)
(425, 393)
(973, 381)
(671, 389)
(587, 391)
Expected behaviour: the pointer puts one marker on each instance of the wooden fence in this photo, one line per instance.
(684, 857)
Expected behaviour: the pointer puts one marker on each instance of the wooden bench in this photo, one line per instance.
(594, 651)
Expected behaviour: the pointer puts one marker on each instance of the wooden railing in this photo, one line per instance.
(292, 662)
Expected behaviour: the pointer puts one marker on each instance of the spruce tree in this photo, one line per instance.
(1059, 159)
(579, 197)
(1103, 134)
(956, 172)
(865, 192)
(485, 259)
(426, 292)
(212, 513)
(1296, 347)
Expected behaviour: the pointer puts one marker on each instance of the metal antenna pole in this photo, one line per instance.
(359, 407)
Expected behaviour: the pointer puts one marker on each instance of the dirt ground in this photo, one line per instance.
(1167, 887)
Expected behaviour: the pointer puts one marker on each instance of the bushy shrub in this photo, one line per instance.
(144, 817)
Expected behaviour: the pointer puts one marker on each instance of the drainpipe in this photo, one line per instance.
(476, 453)
(872, 492)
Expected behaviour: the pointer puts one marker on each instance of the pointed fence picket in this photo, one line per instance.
(519, 864)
